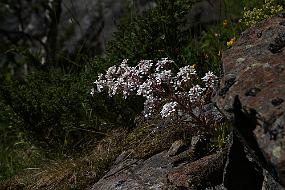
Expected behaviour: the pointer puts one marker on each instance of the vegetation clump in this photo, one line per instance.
(268, 9)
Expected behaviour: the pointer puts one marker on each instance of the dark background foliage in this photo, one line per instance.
(45, 101)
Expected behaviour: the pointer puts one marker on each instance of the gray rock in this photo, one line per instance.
(259, 83)
(176, 148)
(204, 13)
(137, 174)
(162, 171)
(270, 184)
(81, 23)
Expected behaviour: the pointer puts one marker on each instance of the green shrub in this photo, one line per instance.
(157, 33)
(56, 109)
(16, 151)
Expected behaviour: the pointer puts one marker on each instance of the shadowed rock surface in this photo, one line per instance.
(254, 69)
(93, 22)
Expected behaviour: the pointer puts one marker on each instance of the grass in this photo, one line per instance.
(84, 170)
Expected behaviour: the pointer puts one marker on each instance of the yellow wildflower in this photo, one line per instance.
(229, 43)
(225, 23)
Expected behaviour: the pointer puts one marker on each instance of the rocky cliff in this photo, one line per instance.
(254, 70)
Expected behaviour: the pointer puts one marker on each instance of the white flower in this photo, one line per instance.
(100, 82)
(146, 88)
(151, 83)
(210, 79)
(111, 71)
(163, 76)
(113, 88)
(168, 109)
(163, 64)
(195, 93)
(144, 66)
(92, 91)
(149, 105)
(185, 74)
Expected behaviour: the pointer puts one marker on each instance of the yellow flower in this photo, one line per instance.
(229, 43)
(194, 65)
(225, 23)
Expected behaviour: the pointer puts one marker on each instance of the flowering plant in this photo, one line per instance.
(268, 9)
(174, 94)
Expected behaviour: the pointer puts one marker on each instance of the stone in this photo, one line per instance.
(227, 86)
(277, 101)
(260, 85)
(137, 174)
(176, 148)
(162, 171)
(200, 173)
(81, 23)
(203, 13)
(270, 183)
(93, 22)
(278, 44)
(252, 92)
(244, 169)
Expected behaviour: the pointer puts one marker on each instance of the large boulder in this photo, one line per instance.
(179, 167)
(254, 71)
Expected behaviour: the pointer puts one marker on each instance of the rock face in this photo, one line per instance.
(137, 174)
(254, 69)
(175, 168)
(204, 13)
(78, 23)
(93, 21)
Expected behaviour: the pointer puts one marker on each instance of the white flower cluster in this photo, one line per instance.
(159, 86)
(210, 79)
(163, 64)
(144, 66)
(168, 109)
(123, 78)
(196, 93)
(185, 74)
